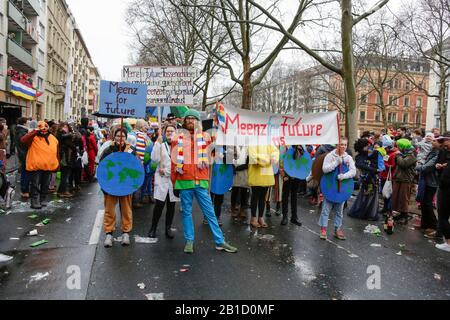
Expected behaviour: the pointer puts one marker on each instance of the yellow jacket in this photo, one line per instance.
(260, 171)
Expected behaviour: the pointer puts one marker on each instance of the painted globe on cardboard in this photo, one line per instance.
(120, 174)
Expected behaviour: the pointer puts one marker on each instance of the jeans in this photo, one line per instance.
(204, 200)
(25, 179)
(328, 207)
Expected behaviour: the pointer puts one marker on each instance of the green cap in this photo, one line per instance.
(192, 113)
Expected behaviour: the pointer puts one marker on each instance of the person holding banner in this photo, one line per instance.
(260, 178)
(190, 176)
(334, 160)
(125, 202)
(163, 185)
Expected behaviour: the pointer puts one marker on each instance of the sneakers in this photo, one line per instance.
(189, 247)
(5, 258)
(108, 241)
(340, 235)
(125, 239)
(226, 247)
(323, 233)
(444, 246)
(431, 234)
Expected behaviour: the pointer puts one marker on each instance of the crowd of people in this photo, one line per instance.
(390, 169)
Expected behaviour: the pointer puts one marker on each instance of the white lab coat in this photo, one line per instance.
(163, 183)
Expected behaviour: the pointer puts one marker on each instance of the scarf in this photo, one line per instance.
(44, 135)
(201, 152)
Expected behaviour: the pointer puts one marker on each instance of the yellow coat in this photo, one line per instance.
(260, 171)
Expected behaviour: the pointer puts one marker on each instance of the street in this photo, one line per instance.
(278, 263)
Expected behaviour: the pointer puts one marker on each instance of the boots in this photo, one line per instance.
(35, 203)
(169, 233)
(285, 220)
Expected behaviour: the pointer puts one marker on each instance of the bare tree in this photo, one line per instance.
(348, 21)
(424, 29)
(243, 25)
(165, 39)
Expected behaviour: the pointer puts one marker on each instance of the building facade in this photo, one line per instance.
(20, 70)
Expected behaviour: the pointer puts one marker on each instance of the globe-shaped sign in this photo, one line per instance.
(221, 178)
(299, 168)
(335, 191)
(120, 174)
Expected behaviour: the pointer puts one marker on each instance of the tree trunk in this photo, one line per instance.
(247, 89)
(384, 115)
(442, 107)
(351, 112)
(205, 92)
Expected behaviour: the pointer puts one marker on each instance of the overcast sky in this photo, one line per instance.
(103, 28)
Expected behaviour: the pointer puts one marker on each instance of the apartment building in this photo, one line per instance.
(20, 68)
(94, 85)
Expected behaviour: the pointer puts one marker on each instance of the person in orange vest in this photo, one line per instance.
(42, 160)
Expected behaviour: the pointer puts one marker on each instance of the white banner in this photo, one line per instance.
(239, 127)
(166, 85)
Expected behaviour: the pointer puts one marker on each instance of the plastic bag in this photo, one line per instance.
(84, 159)
(387, 188)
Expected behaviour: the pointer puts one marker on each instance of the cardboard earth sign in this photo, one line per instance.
(329, 184)
(120, 174)
(221, 178)
(299, 168)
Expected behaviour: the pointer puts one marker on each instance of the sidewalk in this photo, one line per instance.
(12, 164)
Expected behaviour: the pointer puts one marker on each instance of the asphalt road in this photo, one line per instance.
(278, 263)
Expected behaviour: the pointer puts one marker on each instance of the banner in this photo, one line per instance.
(122, 99)
(239, 127)
(166, 85)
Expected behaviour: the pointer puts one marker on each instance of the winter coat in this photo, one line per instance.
(428, 170)
(333, 160)
(444, 174)
(21, 148)
(260, 171)
(241, 168)
(91, 147)
(41, 156)
(66, 149)
(163, 184)
(389, 164)
(424, 148)
(368, 166)
(406, 163)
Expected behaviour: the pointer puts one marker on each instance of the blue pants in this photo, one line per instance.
(25, 179)
(328, 207)
(204, 200)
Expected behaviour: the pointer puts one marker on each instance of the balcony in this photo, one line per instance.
(19, 23)
(31, 7)
(60, 92)
(21, 57)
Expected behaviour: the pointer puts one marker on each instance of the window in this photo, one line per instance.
(1, 23)
(378, 99)
(393, 100)
(41, 30)
(392, 117)
(40, 84)
(362, 115)
(405, 118)
(363, 98)
(406, 102)
(407, 85)
(1, 64)
(41, 57)
(418, 118)
(419, 102)
(377, 116)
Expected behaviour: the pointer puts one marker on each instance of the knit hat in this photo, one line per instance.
(404, 144)
(387, 141)
(192, 113)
